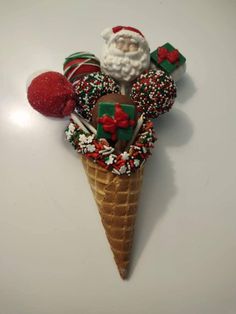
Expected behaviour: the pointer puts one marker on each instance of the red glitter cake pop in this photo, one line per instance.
(51, 94)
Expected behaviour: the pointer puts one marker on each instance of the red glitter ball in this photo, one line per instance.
(51, 94)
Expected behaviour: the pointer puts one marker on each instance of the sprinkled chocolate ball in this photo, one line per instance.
(153, 93)
(80, 63)
(89, 89)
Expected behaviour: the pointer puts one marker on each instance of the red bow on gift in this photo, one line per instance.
(164, 54)
(120, 120)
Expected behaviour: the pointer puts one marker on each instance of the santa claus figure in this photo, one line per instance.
(126, 54)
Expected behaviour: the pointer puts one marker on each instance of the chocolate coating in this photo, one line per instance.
(112, 98)
(119, 145)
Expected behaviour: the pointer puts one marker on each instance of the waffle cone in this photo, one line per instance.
(117, 200)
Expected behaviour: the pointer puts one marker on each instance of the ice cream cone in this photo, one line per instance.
(117, 200)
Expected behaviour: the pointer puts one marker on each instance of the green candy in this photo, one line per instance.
(165, 65)
(108, 111)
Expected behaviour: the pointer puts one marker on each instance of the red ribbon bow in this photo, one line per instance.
(120, 120)
(164, 54)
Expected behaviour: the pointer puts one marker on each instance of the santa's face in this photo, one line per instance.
(126, 44)
(124, 58)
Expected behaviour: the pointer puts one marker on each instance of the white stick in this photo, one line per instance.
(76, 119)
(138, 126)
(88, 125)
(122, 88)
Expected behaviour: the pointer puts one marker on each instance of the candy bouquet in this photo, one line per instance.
(111, 103)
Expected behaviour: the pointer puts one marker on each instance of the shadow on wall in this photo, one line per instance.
(173, 129)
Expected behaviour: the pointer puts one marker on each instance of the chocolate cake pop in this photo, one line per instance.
(90, 88)
(153, 93)
(80, 63)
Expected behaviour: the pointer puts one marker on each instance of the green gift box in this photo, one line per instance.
(115, 121)
(167, 58)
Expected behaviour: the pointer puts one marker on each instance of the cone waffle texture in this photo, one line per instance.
(117, 200)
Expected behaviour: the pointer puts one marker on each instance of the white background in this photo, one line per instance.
(54, 257)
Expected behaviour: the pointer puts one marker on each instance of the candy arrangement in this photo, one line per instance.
(110, 103)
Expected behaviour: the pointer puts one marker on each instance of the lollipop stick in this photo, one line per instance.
(88, 125)
(136, 130)
(122, 88)
(76, 119)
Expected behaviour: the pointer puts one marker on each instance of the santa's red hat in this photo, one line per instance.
(111, 33)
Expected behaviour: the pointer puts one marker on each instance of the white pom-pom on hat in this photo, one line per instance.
(107, 33)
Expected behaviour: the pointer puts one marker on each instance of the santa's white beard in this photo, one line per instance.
(124, 66)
